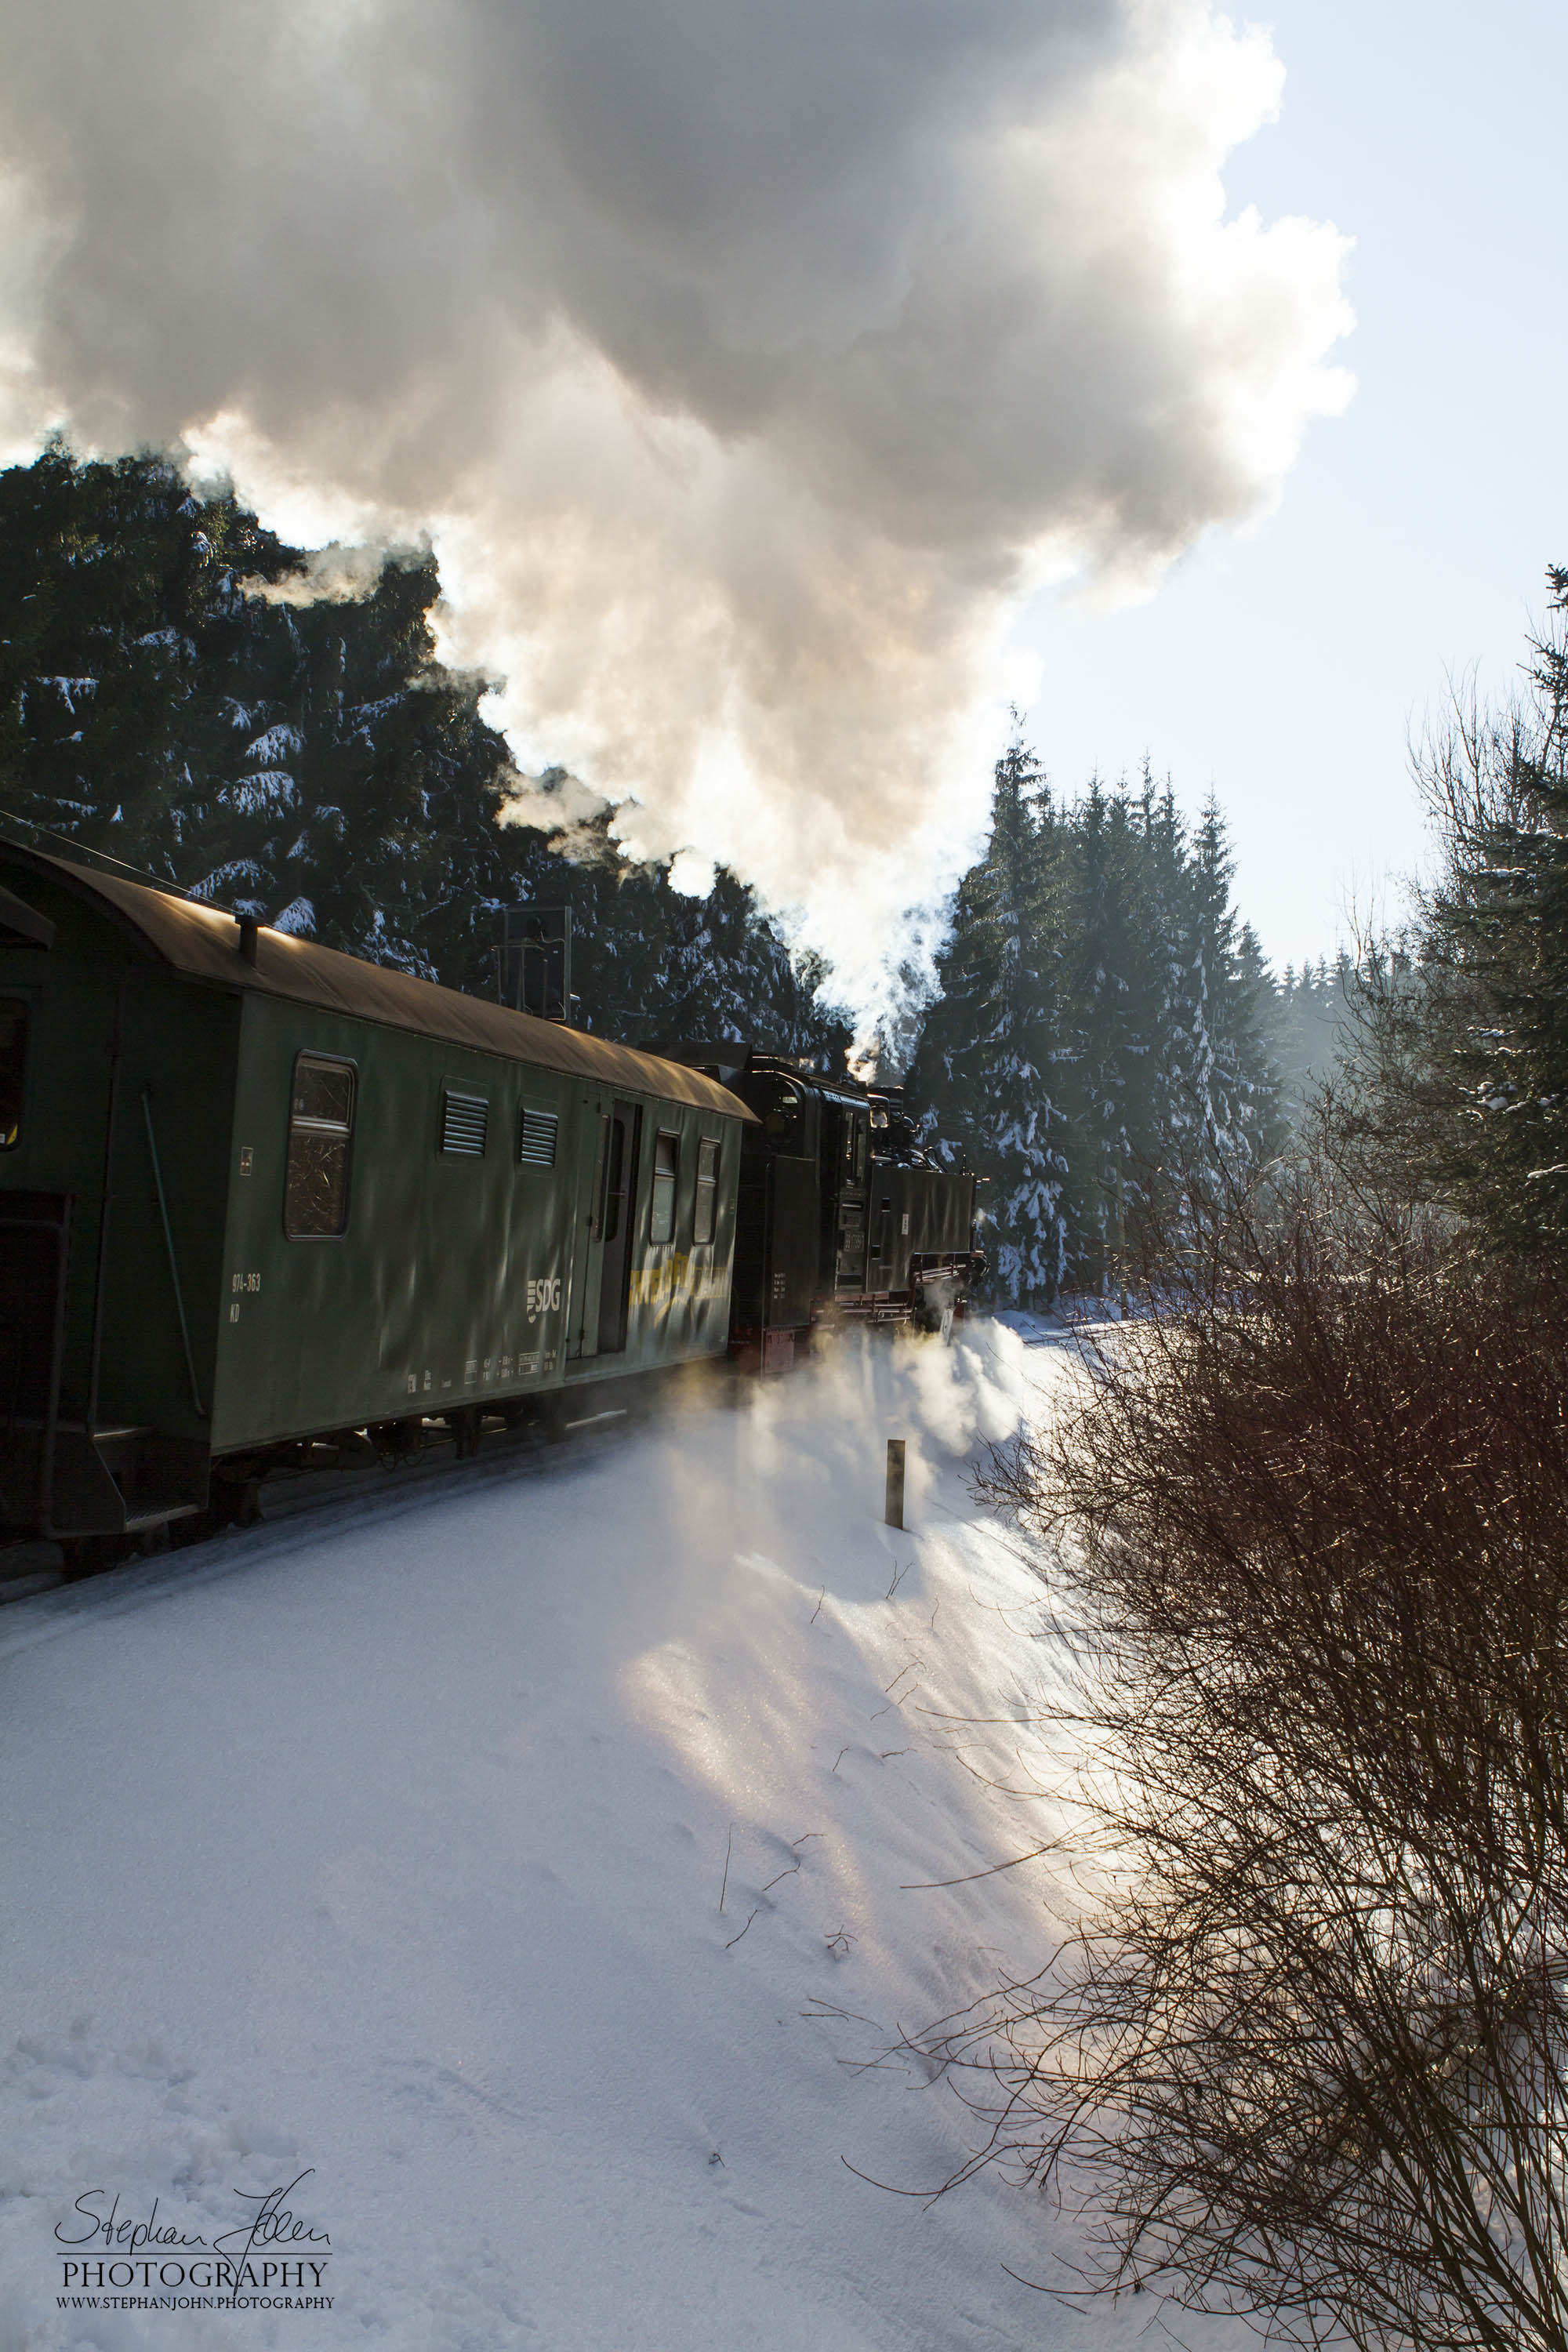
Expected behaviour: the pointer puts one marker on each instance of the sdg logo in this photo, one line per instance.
(543, 1296)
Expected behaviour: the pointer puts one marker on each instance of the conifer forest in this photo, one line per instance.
(1105, 1020)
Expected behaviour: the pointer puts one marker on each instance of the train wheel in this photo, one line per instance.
(235, 1503)
(398, 1440)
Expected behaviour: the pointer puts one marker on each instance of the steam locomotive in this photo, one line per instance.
(255, 1193)
(841, 1214)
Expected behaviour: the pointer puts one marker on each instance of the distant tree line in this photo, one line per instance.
(315, 764)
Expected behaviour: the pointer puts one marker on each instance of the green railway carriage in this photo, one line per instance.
(254, 1192)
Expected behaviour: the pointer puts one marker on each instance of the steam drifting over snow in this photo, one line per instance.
(745, 361)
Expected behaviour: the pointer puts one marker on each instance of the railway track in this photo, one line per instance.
(339, 1486)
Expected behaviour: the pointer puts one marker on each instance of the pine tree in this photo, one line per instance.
(1115, 1008)
(1496, 952)
(1230, 1082)
(983, 1069)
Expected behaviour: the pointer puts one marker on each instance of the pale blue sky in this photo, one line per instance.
(1286, 670)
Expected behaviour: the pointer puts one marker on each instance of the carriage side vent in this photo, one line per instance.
(465, 1124)
(536, 1139)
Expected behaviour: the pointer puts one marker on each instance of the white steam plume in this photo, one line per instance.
(334, 574)
(745, 361)
(557, 804)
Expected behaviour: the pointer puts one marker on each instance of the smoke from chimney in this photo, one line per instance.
(744, 362)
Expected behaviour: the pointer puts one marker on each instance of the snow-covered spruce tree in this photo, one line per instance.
(1115, 1016)
(1226, 1090)
(981, 1073)
(1493, 948)
(1166, 1134)
(1165, 846)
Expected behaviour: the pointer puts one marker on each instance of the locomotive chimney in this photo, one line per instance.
(248, 931)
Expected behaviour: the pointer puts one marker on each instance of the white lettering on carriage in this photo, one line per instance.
(543, 1294)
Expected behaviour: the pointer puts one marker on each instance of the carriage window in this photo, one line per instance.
(13, 1069)
(465, 1124)
(781, 1111)
(320, 1129)
(536, 1139)
(666, 1167)
(704, 1214)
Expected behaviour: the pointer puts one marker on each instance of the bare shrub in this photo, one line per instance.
(1307, 2057)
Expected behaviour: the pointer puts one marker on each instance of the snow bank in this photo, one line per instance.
(528, 1862)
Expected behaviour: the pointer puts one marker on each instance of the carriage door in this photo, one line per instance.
(588, 1254)
(854, 1170)
(619, 1198)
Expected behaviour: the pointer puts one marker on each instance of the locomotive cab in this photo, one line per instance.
(843, 1214)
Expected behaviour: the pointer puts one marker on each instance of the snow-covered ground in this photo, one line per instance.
(526, 1866)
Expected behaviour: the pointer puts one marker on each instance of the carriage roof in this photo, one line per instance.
(204, 942)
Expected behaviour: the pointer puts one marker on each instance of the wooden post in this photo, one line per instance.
(894, 1513)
